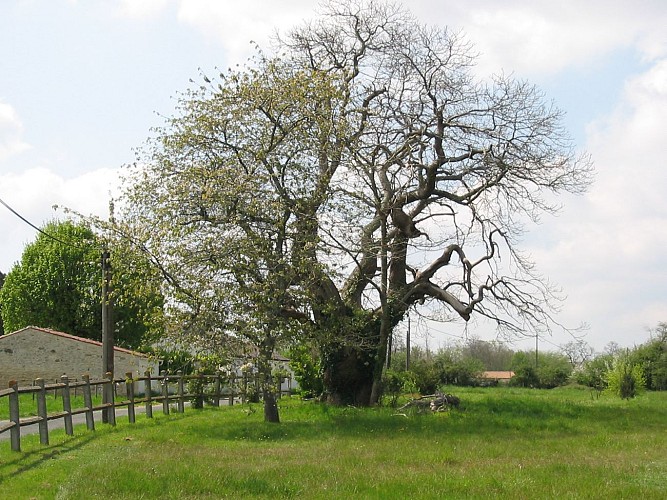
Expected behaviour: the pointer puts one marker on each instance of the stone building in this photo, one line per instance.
(34, 352)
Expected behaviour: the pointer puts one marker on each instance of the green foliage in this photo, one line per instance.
(204, 365)
(57, 285)
(2, 282)
(625, 379)
(396, 383)
(593, 373)
(493, 355)
(652, 357)
(306, 365)
(552, 370)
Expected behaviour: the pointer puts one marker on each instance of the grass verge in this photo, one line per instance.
(502, 443)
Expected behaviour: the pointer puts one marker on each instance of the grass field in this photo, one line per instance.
(502, 443)
(28, 404)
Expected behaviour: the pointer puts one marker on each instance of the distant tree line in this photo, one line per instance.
(623, 372)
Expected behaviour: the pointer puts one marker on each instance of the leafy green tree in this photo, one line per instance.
(57, 285)
(625, 379)
(493, 355)
(554, 370)
(593, 373)
(307, 368)
(548, 371)
(366, 141)
(2, 282)
(652, 357)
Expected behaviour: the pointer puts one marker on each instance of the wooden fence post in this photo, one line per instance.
(67, 406)
(109, 387)
(41, 412)
(14, 416)
(129, 390)
(216, 396)
(88, 403)
(165, 393)
(147, 394)
(181, 392)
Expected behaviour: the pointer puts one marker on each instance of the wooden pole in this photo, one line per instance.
(67, 406)
(41, 413)
(129, 390)
(181, 392)
(109, 391)
(14, 416)
(107, 329)
(148, 395)
(88, 402)
(216, 397)
(165, 393)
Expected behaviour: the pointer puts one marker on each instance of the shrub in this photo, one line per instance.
(307, 368)
(625, 379)
(395, 383)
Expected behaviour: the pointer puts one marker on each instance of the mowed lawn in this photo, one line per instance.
(502, 443)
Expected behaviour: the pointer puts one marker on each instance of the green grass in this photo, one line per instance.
(28, 404)
(502, 443)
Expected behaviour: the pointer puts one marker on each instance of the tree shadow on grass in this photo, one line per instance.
(20, 462)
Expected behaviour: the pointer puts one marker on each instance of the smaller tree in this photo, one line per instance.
(548, 371)
(625, 379)
(652, 357)
(593, 373)
(306, 365)
(57, 284)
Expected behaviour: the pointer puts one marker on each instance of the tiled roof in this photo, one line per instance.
(498, 375)
(72, 337)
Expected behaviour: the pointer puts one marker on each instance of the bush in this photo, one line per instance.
(594, 372)
(426, 376)
(395, 383)
(625, 380)
(307, 368)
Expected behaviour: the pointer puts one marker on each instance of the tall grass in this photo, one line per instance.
(502, 443)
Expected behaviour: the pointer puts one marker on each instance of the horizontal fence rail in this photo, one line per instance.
(164, 389)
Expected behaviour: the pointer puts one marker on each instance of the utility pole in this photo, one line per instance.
(407, 346)
(107, 328)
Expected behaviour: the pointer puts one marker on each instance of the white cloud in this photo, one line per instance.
(235, 24)
(141, 9)
(544, 37)
(610, 254)
(11, 131)
(33, 193)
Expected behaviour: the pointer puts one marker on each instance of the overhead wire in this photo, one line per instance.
(40, 230)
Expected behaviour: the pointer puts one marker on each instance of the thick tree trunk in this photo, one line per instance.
(348, 376)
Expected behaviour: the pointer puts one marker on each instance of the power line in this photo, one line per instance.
(41, 231)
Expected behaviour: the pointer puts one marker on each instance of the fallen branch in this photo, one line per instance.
(434, 402)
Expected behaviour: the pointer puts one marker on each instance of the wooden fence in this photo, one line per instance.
(173, 389)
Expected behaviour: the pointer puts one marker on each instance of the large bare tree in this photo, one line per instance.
(386, 174)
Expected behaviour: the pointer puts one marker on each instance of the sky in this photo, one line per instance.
(83, 82)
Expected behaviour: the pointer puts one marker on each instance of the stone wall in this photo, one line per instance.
(33, 353)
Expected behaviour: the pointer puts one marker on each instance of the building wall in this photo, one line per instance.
(33, 353)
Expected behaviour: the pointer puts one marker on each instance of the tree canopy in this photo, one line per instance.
(57, 285)
(361, 170)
